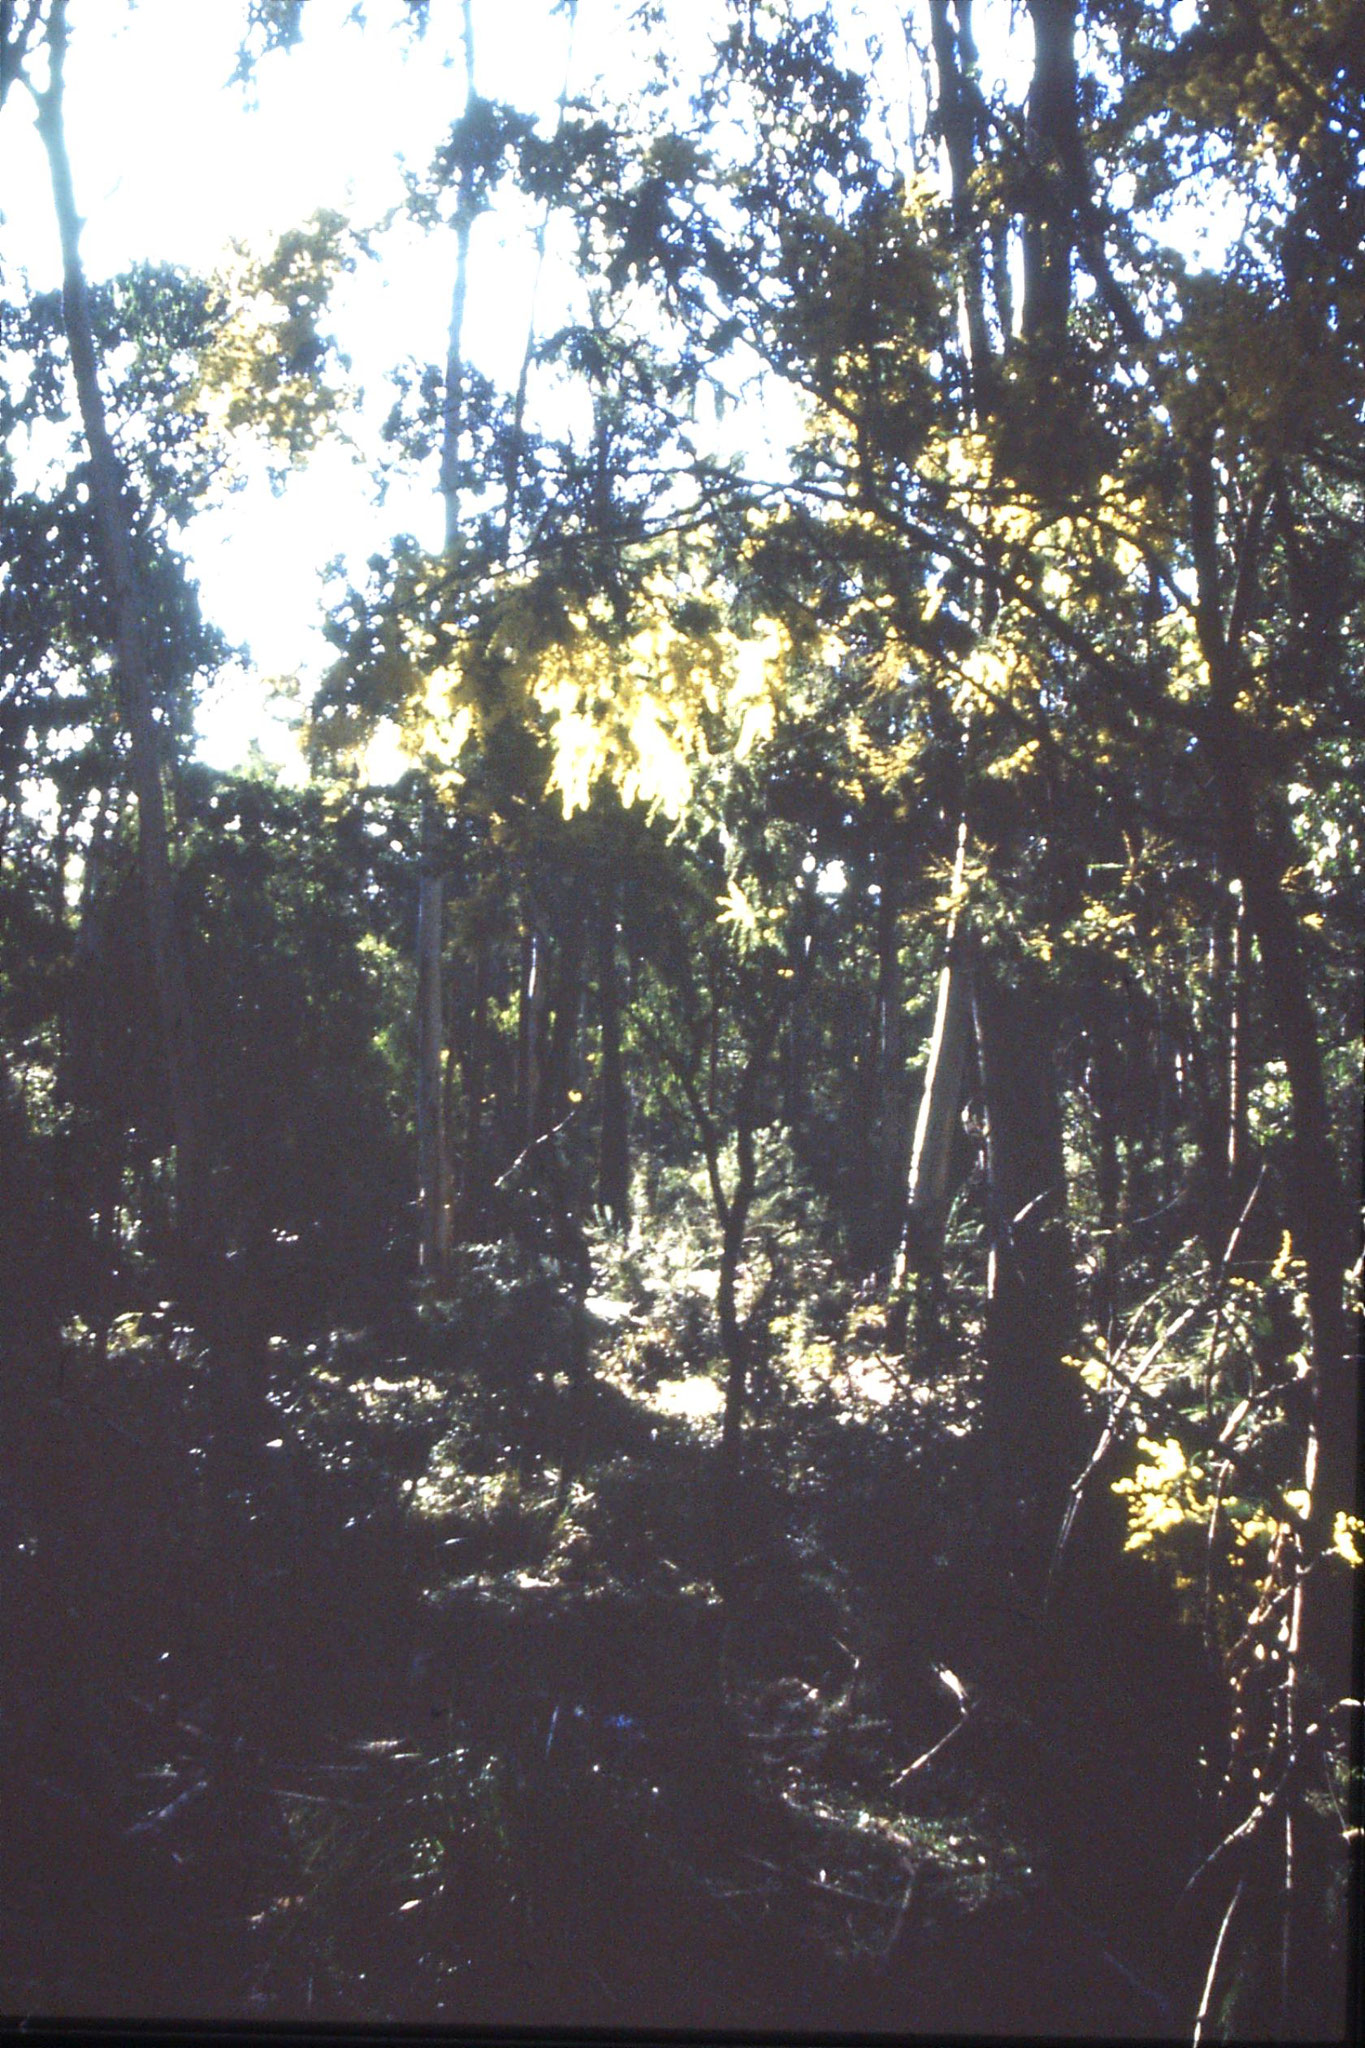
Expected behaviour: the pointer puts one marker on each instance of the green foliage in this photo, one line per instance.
(260, 371)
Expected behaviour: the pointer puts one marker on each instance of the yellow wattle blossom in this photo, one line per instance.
(1162, 1493)
(1348, 1534)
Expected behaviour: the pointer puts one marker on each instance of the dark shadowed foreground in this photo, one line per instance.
(453, 1702)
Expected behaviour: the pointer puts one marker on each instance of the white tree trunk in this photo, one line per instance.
(941, 1101)
(133, 666)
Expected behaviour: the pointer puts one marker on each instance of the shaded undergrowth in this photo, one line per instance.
(452, 1711)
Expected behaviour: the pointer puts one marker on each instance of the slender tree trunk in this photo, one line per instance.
(1167, 1116)
(613, 1179)
(958, 98)
(935, 1127)
(891, 1113)
(732, 1215)
(532, 1013)
(733, 1337)
(1105, 1086)
(1054, 160)
(135, 670)
(1217, 1057)
(516, 440)
(553, 1095)
(794, 1059)
(473, 1076)
(1032, 1405)
(1236, 1151)
(1321, 1216)
(1318, 1655)
(87, 955)
(433, 1147)
(433, 1165)
(452, 410)
(940, 1104)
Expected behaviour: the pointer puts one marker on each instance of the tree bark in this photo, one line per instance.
(553, 1100)
(433, 1148)
(433, 1162)
(929, 1189)
(135, 669)
(473, 1059)
(891, 1111)
(955, 62)
(1032, 1406)
(1236, 1151)
(734, 1224)
(1105, 1089)
(533, 1009)
(1054, 160)
(613, 1177)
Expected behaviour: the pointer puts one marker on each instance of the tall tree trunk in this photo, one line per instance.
(473, 1078)
(135, 669)
(452, 408)
(1105, 1090)
(516, 440)
(433, 1147)
(891, 1113)
(433, 1164)
(935, 1127)
(734, 1224)
(553, 1100)
(533, 1009)
(1032, 1406)
(1167, 1107)
(1236, 1149)
(957, 120)
(1217, 1064)
(1321, 1231)
(1318, 1654)
(1054, 161)
(613, 1177)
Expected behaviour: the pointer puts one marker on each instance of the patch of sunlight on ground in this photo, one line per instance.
(443, 1489)
(866, 1382)
(379, 1393)
(607, 1309)
(698, 1398)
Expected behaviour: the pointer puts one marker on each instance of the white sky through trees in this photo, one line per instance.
(173, 162)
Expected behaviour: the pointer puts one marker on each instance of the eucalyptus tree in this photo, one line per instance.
(128, 623)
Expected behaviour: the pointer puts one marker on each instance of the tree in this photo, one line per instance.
(133, 657)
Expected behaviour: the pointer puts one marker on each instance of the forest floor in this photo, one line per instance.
(452, 1709)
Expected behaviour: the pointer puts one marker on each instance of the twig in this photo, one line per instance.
(1207, 1621)
(1220, 1292)
(963, 1718)
(1131, 1384)
(545, 1138)
(1205, 2001)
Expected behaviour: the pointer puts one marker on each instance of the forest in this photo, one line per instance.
(693, 1362)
